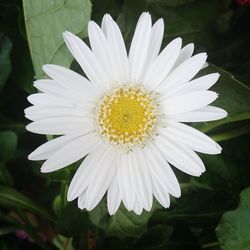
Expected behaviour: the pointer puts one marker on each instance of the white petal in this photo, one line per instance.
(126, 180)
(49, 100)
(117, 51)
(161, 171)
(47, 149)
(139, 47)
(183, 73)
(80, 181)
(209, 113)
(155, 41)
(198, 84)
(185, 53)
(138, 208)
(162, 64)
(180, 156)
(39, 112)
(98, 44)
(142, 179)
(70, 153)
(81, 200)
(61, 125)
(87, 60)
(204, 82)
(101, 178)
(113, 196)
(71, 80)
(188, 101)
(192, 137)
(160, 193)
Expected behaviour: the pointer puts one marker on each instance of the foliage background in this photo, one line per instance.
(214, 210)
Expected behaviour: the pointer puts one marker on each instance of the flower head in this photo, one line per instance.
(126, 116)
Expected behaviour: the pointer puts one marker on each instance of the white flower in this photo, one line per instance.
(125, 116)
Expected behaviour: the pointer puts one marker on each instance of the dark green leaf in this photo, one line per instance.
(233, 230)
(155, 237)
(72, 221)
(234, 98)
(8, 143)
(5, 63)
(46, 21)
(5, 176)
(13, 199)
(123, 223)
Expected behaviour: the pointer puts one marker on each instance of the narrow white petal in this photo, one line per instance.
(188, 101)
(180, 156)
(39, 112)
(99, 47)
(142, 179)
(47, 149)
(70, 153)
(81, 200)
(138, 208)
(161, 171)
(185, 53)
(161, 193)
(184, 72)
(113, 196)
(83, 174)
(198, 84)
(61, 125)
(209, 113)
(87, 60)
(192, 137)
(162, 65)
(117, 51)
(126, 180)
(101, 178)
(155, 41)
(204, 82)
(71, 80)
(49, 100)
(139, 47)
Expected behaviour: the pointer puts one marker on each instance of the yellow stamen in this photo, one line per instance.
(127, 116)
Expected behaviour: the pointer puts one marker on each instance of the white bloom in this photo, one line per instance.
(125, 116)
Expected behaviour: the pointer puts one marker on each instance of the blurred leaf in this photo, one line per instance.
(8, 143)
(46, 21)
(73, 221)
(123, 223)
(234, 98)
(11, 198)
(187, 19)
(155, 237)
(5, 63)
(197, 206)
(5, 176)
(234, 227)
(172, 3)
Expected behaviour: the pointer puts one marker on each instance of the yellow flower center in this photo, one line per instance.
(127, 116)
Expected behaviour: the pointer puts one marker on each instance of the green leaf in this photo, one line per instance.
(187, 20)
(73, 221)
(13, 199)
(155, 237)
(5, 63)
(123, 223)
(5, 176)
(234, 227)
(234, 98)
(8, 143)
(46, 21)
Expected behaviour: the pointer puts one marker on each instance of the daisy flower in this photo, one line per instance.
(126, 116)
